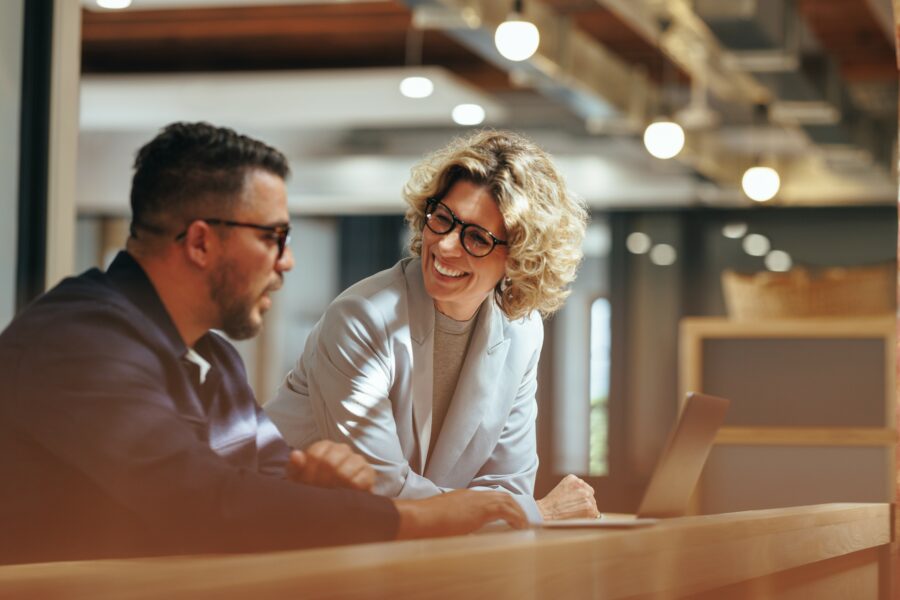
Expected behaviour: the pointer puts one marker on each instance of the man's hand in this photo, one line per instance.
(456, 513)
(572, 498)
(329, 464)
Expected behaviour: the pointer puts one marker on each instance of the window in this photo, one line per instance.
(599, 387)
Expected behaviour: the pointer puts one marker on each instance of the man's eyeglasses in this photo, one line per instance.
(475, 239)
(280, 234)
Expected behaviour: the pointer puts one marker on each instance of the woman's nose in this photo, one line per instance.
(451, 241)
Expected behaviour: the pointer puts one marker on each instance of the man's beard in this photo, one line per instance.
(235, 311)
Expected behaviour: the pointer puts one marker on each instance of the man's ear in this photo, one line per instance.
(200, 243)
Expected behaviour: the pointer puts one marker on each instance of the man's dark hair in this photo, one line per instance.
(194, 170)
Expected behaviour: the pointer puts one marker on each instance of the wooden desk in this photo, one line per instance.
(813, 553)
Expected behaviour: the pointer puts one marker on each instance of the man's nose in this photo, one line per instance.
(286, 262)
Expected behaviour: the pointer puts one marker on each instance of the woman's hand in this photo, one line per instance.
(572, 498)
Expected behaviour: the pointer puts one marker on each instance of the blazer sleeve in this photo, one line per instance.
(342, 383)
(513, 463)
(101, 406)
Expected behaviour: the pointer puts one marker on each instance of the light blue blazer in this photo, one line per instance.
(365, 379)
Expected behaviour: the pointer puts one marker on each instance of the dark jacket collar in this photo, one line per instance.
(126, 275)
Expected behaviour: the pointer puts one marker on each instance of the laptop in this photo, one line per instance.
(677, 471)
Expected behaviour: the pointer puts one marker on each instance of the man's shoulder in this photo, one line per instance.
(89, 292)
(80, 314)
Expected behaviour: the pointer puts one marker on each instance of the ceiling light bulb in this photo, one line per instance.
(734, 231)
(778, 261)
(416, 87)
(516, 39)
(663, 255)
(114, 4)
(664, 139)
(756, 244)
(468, 114)
(638, 242)
(761, 183)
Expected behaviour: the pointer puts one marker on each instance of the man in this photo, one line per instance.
(127, 428)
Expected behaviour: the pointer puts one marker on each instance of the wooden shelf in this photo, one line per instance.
(807, 436)
(811, 398)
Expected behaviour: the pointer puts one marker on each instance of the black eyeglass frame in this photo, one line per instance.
(434, 202)
(283, 232)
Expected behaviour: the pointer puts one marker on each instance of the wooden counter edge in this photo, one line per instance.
(681, 556)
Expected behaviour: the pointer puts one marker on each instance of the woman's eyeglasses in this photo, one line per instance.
(475, 239)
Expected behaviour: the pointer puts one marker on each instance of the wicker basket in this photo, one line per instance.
(855, 291)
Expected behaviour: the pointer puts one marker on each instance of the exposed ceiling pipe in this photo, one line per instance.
(764, 37)
(580, 72)
(675, 28)
(806, 102)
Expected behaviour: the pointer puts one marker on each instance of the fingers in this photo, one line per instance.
(312, 473)
(296, 465)
(457, 512)
(511, 512)
(354, 472)
(329, 464)
(590, 509)
(571, 498)
(327, 457)
(499, 506)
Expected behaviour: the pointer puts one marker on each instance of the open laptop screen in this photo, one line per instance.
(678, 469)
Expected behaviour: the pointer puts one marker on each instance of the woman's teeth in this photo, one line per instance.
(445, 271)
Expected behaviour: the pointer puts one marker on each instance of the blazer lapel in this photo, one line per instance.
(421, 332)
(475, 391)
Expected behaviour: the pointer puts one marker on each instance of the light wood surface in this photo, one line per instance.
(826, 327)
(824, 551)
(807, 436)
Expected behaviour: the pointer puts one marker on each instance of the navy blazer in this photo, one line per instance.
(110, 447)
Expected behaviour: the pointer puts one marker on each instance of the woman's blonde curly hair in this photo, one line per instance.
(544, 223)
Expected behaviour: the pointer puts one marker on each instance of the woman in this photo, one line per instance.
(429, 369)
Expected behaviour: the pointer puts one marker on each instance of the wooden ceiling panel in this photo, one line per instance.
(325, 36)
(619, 37)
(262, 37)
(849, 32)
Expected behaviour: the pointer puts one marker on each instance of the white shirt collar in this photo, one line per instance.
(201, 363)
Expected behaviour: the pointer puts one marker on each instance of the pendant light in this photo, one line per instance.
(760, 182)
(517, 39)
(663, 138)
(415, 86)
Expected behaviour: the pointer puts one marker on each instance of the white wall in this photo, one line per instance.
(11, 26)
(63, 148)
